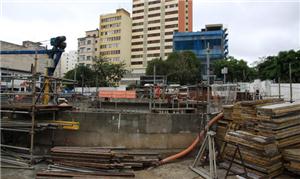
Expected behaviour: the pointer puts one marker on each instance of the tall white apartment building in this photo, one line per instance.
(67, 62)
(153, 24)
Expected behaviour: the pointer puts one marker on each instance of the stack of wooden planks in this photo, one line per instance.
(97, 161)
(249, 113)
(292, 158)
(260, 154)
(281, 121)
(223, 124)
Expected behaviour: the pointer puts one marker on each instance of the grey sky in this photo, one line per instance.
(256, 28)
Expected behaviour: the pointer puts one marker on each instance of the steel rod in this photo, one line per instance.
(15, 147)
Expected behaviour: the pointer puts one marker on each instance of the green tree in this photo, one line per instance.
(107, 73)
(180, 67)
(238, 70)
(84, 76)
(275, 67)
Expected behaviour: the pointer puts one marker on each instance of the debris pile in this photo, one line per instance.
(96, 161)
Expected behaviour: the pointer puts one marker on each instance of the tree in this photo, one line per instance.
(160, 65)
(180, 67)
(107, 73)
(275, 67)
(84, 76)
(102, 73)
(238, 70)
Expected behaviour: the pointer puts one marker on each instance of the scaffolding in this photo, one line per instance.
(29, 104)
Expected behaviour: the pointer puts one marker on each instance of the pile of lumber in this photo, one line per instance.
(222, 125)
(249, 112)
(260, 154)
(281, 121)
(292, 158)
(97, 161)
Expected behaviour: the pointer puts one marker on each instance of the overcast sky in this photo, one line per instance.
(256, 28)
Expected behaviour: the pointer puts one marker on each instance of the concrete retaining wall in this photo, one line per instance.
(147, 131)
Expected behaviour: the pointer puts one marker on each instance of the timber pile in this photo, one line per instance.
(222, 125)
(249, 113)
(292, 157)
(281, 121)
(260, 154)
(96, 161)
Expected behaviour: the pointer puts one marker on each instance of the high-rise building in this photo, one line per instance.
(213, 35)
(115, 36)
(88, 47)
(67, 62)
(153, 24)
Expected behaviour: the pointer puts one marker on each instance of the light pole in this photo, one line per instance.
(208, 82)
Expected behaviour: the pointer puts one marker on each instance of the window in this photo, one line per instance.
(137, 49)
(111, 19)
(137, 11)
(154, 28)
(136, 43)
(138, 5)
(154, 21)
(113, 52)
(171, 26)
(89, 42)
(136, 56)
(168, 40)
(153, 35)
(138, 17)
(153, 41)
(88, 49)
(88, 57)
(154, 8)
(95, 49)
(137, 63)
(137, 30)
(154, 2)
(153, 15)
(168, 47)
(137, 36)
(171, 12)
(153, 48)
(171, 19)
(169, 33)
(153, 55)
(137, 24)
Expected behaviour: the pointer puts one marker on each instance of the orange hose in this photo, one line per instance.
(193, 145)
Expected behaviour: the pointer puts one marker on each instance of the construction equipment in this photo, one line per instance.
(55, 54)
(212, 173)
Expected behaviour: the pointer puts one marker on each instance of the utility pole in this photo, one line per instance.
(208, 82)
(154, 74)
(82, 76)
(291, 87)
(75, 73)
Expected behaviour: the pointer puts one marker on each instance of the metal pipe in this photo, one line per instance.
(291, 86)
(15, 147)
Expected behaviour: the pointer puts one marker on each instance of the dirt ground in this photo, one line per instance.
(176, 170)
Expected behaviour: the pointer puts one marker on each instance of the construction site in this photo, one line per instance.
(208, 131)
(145, 96)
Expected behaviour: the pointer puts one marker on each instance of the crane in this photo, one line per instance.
(55, 54)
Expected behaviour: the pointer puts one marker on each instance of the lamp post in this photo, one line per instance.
(208, 82)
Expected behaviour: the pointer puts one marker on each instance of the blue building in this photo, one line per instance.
(214, 35)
